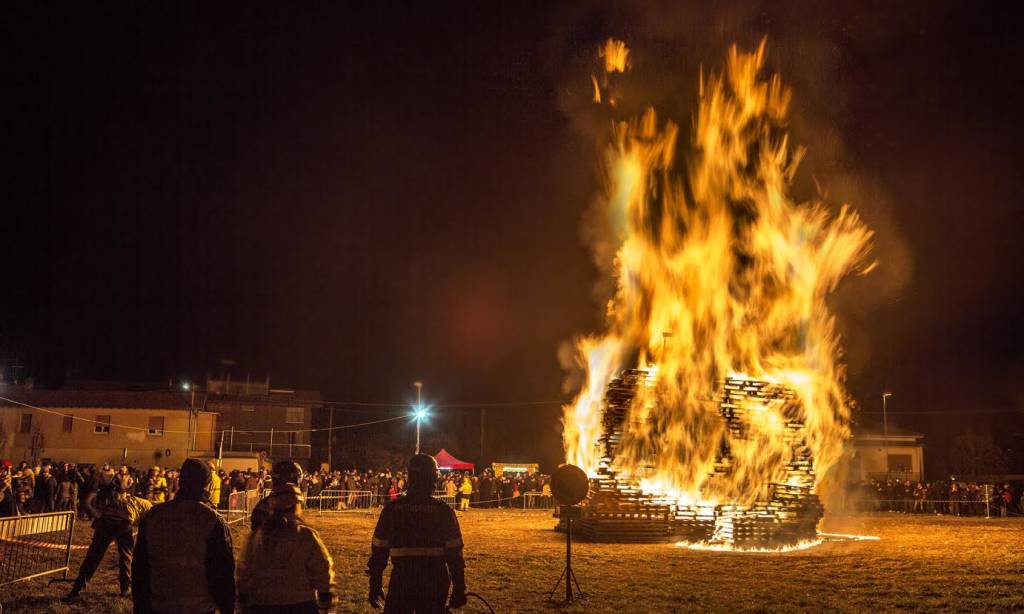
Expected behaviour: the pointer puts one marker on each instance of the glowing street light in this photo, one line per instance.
(421, 413)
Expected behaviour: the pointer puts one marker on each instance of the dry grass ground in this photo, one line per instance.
(922, 563)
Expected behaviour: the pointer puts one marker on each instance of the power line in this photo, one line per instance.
(236, 431)
(444, 405)
(945, 412)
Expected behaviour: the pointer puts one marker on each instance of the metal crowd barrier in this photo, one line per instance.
(343, 500)
(451, 500)
(535, 501)
(241, 504)
(333, 500)
(962, 507)
(35, 545)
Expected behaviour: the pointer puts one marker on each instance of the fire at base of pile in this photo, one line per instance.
(785, 517)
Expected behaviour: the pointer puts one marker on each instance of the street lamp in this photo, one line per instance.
(193, 424)
(420, 412)
(885, 429)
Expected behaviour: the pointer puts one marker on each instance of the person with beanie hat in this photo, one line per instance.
(183, 560)
(284, 567)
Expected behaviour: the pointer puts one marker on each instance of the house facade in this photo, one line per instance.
(883, 453)
(140, 428)
(258, 420)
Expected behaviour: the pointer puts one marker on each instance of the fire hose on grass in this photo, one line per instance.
(477, 596)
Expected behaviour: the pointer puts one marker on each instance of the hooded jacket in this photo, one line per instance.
(289, 565)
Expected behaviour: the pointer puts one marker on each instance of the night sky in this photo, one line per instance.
(349, 197)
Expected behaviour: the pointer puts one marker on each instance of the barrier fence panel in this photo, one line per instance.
(35, 545)
(241, 504)
(451, 500)
(957, 507)
(348, 500)
(342, 500)
(536, 501)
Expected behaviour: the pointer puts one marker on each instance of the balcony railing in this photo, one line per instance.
(274, 450)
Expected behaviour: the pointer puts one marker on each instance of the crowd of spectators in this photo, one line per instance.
(481, 490)
(64, 486)
(953, 497)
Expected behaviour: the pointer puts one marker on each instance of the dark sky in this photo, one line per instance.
(351, 196)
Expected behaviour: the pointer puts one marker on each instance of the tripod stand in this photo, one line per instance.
(567, 573)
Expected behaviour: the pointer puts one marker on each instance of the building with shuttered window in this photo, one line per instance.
(141, 427)
(256, 418)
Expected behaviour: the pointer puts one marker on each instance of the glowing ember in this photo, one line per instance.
(843, 537)
(722, 281)
(801, 545)
(719, 547)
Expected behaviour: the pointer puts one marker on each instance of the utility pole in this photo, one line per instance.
(483, 420)
(193, 420)
(885, 429)
(330, 440)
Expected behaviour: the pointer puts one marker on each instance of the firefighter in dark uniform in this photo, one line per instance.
(282, 473)
(423, 539)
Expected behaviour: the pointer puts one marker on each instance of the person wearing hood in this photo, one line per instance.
(282, 473)
(284, 567)
(183, 560)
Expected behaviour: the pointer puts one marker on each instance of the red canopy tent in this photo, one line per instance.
(448, 462)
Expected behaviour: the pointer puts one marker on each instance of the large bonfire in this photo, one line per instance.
(721, 278)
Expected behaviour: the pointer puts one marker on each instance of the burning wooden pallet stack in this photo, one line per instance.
(788, 513)
(617, 509)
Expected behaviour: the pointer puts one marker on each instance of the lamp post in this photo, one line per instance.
(885, 429)
(330, 439)
(419, 411)
(193, 423)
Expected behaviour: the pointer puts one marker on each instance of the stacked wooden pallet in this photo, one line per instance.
(789, 512)
(694, 524)
(617, 401)
(619, 511)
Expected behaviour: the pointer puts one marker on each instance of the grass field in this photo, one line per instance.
(513, 558)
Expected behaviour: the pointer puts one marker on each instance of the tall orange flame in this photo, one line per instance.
(615, 54)
(720, 273)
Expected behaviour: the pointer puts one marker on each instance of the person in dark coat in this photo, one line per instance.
(508, 489)
(486, 490)
(421, 536)
(183, 561)
(8, 500)
(46, 490)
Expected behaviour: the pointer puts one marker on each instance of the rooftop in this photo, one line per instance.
(112, 399)
(873, 429)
